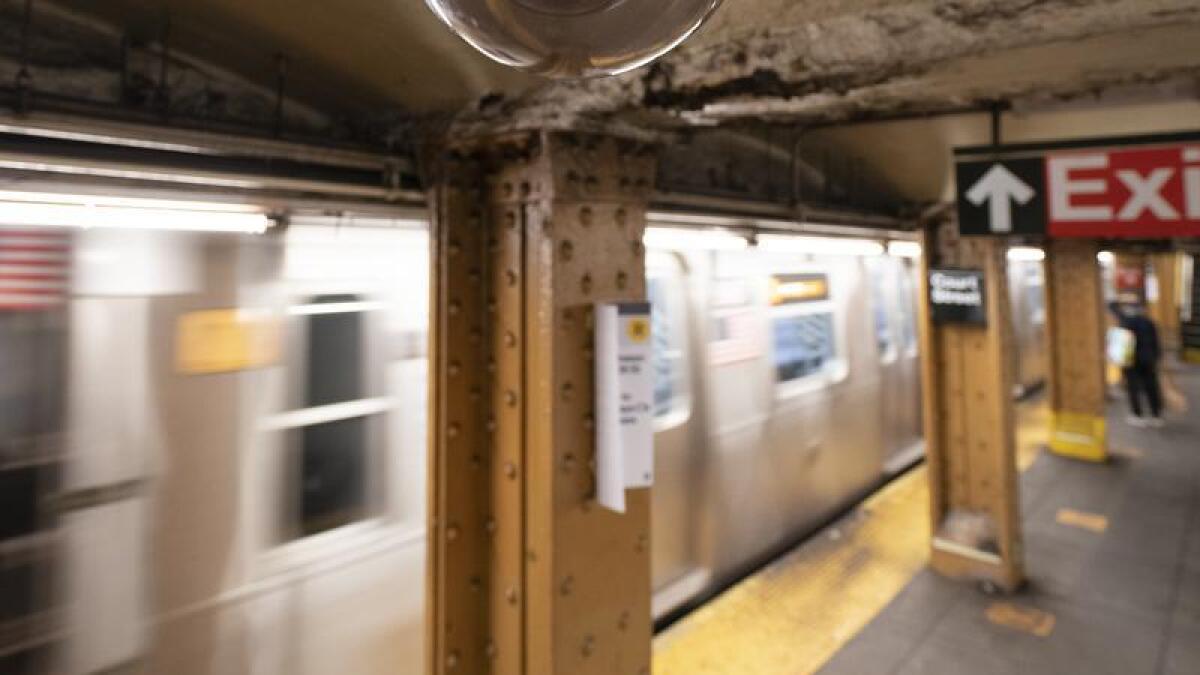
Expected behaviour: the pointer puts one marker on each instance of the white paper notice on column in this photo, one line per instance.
(624, 402)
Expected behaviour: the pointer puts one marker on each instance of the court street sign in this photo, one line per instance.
(957, 296)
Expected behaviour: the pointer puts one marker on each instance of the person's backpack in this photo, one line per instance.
(1121, 346)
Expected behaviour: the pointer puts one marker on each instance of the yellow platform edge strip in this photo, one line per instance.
(796, 616)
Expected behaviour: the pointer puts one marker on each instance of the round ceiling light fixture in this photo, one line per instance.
(573, 38)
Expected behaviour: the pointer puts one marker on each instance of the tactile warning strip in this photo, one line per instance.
(794, 615)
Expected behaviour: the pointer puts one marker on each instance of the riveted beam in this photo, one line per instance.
(526, 574)
(969, 421)
(1164, 308)
(1075, 322)
(459, 445)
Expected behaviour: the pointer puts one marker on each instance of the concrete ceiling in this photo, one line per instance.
(1069, 67)
(913, 157)
(344, 55)
(796, 60)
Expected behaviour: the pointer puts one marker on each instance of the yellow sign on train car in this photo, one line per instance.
(225, 340)
(787, 289)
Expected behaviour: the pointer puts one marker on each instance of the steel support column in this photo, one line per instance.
(1075, 321)
(526, 574)
(1164, 308)
(969, 421)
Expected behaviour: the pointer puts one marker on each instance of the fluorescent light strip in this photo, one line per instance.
(904, 249)
(683, 238)
(819, 245)
(1026, 254)
(86, 217)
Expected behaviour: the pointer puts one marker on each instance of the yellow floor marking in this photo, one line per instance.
(792, 617)
(1128, 453)
(1025, 619)
(1033, 432)
(1082, 519)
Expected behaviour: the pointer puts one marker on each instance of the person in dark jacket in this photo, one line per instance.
(1141, 377)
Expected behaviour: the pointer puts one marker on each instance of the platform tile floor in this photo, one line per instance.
(1113, 556)
(1112, 551)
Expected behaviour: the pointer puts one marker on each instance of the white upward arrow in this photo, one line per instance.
(998, 186)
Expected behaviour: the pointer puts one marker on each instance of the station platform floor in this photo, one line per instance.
(1112, 556)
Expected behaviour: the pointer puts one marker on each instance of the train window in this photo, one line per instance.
(332, 475)
(1035, 294)
(908, 306)
(881, 305)
(334, 356)
(802, 326)
(664, 289)
(665, 358)
(330, 453)
(803, 345)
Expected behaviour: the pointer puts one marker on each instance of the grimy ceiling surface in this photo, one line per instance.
(833, 59)
(776, 58)
(342, 54)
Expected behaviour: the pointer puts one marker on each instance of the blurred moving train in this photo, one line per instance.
(237, 423)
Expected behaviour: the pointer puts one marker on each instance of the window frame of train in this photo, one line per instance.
(883, 305)
(666, 290)
(384, 263)
(907, 285)
(1033, 286)
(834, 367)
(316, 322)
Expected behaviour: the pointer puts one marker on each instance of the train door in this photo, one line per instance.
(908, 393)
(880, 273)
(1026, 279)
(675, 498)
(893, 297)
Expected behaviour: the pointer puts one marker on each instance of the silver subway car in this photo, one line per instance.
(266, 393)
(265, 397)
(788, 387)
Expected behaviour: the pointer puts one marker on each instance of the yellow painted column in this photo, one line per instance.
(1165, 307)
(1075, 320)
(969, 421)
(1190, 290)
(526, 573)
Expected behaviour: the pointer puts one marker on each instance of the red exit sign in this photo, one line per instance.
(1137, 188)
(1150, 192)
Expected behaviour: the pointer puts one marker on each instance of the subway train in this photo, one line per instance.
(1027, 294)
(788, 387)
(237, 423)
